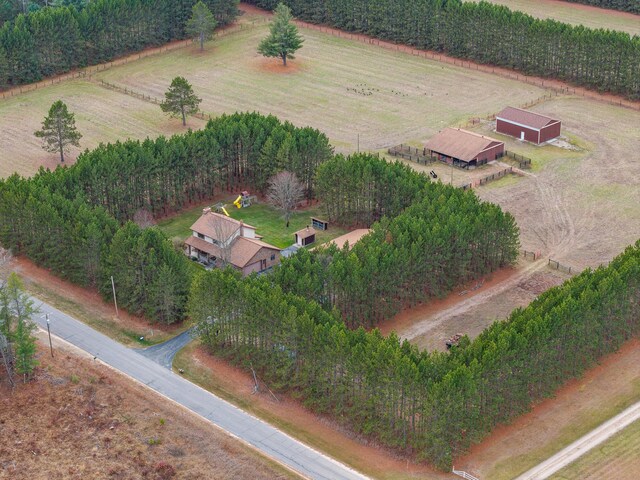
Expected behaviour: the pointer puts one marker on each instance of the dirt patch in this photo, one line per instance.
(275, 66)
(79, 419)
(576, 409)
(321, 432)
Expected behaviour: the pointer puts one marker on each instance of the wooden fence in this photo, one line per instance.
(465, 475)
(493, 176)
(523, 162)
(87, 72)
(531, 255)
(421, 156)
(558, 266)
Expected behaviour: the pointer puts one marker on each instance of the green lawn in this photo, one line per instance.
(618, 457)
(267, 220)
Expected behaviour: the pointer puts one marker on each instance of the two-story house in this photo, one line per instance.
(218, 240)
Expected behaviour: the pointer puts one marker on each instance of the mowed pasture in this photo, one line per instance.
(101, 115)
(576, 14)
(616, 458)
(342, 87)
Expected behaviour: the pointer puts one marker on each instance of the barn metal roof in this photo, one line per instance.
(525, 118)
(460, 144)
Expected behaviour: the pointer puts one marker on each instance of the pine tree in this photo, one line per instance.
(201, 24)
(284, 39)
(180, 99)
(59, 130)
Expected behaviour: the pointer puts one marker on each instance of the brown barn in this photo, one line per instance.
(463, 148)
(526, 125)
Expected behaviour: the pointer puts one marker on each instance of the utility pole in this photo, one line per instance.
(115, 301)
(49, 332)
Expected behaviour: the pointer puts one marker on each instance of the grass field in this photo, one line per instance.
(342, 87)
(268, 222)
(101, 116)
(576, 14)
(618, 457)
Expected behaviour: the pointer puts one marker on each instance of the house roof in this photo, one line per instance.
(460, 144)
(525, 117)
(243, 250)
(216, 225)
(352, 237)
(305, 232)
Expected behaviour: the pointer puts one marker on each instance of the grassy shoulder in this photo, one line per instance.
(88, 307)
(616, 458)
(235, 386)
(267, 220)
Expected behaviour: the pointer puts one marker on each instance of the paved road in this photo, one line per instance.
(163, 353)
(272, 442)
(583, 445)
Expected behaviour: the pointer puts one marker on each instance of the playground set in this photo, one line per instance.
(244, 200)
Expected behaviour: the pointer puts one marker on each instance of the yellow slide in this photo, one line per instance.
(224, 210)
(237, 202)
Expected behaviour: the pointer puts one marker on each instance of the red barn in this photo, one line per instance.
(463, 148)
(525, 125)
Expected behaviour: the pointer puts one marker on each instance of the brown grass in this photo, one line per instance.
(81, 420)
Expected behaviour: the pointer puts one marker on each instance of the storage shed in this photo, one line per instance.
(305, 237)
(463, 148)
(526, 125)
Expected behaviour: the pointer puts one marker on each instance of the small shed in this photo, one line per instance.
(526, 125)
(305, 237)
(319, 224)
(463, 148)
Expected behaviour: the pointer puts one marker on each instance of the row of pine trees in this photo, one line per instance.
(75, 221)
(632, 6)
(427, 239)
(55, 40)
(602, 60)
(431, 405)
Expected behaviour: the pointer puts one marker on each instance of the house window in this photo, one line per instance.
(200, 236)
(273, 257)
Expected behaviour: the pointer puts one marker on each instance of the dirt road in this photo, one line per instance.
(581, 446)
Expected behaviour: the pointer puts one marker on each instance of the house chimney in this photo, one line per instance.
(206, 210)
(241, 228)
(307, 227)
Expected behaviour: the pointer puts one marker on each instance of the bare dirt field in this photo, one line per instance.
(616, 458)
(80, 420)
(101, 115)
(576, 14)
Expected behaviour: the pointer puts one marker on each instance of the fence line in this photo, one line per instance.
(555, 85)
(558, 266)
(413, 154)
(465, 475)
(531, 255)
(492, 177)
(523, 162)
(89, 71)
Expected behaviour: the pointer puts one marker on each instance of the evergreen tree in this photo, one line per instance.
(59, 130)
(284, 39)
(201, 24)
(180, 100)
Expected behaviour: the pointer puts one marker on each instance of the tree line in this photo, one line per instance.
(600, 59)
(632, 6)
(54, 40)
(429, 238)
(73, 220)
(430, 404)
